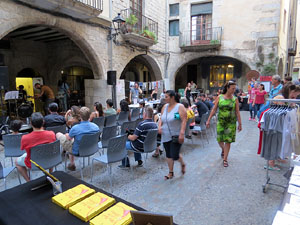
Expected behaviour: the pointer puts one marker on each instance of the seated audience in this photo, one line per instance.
(98, 111)
(157, 116)
(205, 101)
(124, 107)
(15, 126)
(37, 137)
(190, 114)
(201, 108)
(72, 116)
(136, 140)
(109, 108)
(53, 119)
(76, 132)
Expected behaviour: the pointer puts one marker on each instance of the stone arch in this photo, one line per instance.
(76, 37)
(151, 62)
(183, 73)
(68, 62)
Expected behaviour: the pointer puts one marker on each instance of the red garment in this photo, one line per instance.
(35, 138)
(252, 95)
(260, 132)
(260, 97)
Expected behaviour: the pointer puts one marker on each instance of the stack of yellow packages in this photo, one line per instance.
(72, 196)
(91, 206)
(119, 214)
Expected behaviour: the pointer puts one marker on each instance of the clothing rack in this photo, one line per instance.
(265, 186)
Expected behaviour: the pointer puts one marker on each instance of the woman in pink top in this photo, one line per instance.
(260, 98)
(251, 102)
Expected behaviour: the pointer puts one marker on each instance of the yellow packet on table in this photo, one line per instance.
(119, 214)
(72, 196)
(91, 206)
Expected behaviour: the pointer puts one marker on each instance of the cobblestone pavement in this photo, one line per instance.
(208, 193)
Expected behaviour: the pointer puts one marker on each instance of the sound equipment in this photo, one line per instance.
(25, 110)
(111, 77)
(4, 83)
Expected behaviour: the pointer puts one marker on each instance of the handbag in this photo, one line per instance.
(175, 138)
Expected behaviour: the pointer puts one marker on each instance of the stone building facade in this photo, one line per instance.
(52, 41)
(254, 36)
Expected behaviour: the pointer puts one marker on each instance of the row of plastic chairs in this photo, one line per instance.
(114, 120)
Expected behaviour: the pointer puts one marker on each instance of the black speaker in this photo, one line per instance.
(111, 77)
(4, 83)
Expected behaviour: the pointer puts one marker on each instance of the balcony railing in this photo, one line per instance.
(292, 49)
(139, 24)
(96, 4)
(82, 9)
(201, 39)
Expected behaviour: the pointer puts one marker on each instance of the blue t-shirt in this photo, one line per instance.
(77, 131)
(274, 91)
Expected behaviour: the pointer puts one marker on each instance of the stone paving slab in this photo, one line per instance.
(208, 193)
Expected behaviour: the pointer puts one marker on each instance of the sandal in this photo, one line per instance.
(155, 155)
(183, 169)
(225, 163)
(169, 176)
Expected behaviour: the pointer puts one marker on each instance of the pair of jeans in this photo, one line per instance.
(257, 108)
(137, 156)
(263, 108)
(252, 111)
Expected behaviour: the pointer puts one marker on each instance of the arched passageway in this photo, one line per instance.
(211, 73)
(145, 70)
(45, 52)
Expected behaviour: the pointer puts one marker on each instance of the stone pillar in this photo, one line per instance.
(96, 91)
(120, 91)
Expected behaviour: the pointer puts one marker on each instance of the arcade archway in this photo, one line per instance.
(48, 49)
(211, 73)
(145, 70)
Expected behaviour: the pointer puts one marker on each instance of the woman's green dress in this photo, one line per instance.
(226, 126)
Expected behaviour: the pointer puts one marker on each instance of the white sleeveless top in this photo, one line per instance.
(168, 118)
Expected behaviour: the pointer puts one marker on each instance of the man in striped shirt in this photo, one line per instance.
(136, 140)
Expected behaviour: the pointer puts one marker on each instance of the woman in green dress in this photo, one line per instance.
(228, 114)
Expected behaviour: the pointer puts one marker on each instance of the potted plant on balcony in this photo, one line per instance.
(131, 21)
(149, 34)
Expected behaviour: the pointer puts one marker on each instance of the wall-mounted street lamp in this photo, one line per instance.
(115, 30)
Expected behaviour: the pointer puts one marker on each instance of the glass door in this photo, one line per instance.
(136, 8)
(201, 29)
(219, 75)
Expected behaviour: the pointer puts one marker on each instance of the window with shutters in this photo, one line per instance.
(174, 28)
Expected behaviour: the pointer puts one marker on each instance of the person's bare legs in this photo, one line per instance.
(182, 164)
(23, 171)
(226, 152)
(222, 146)
(72, 159)
(170, 162)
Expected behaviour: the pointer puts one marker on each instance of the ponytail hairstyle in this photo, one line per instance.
(227, 85)
(174, 94)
